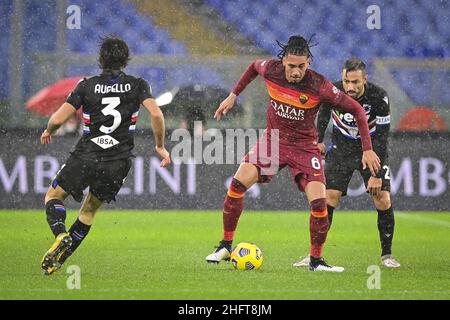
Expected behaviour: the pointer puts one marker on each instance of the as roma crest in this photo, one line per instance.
(303, 98)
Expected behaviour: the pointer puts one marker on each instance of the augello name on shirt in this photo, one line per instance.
(116, 88)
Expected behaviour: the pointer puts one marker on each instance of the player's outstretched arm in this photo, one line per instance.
(225, 106)
(57, 120)
(159, 130)
(255, 68)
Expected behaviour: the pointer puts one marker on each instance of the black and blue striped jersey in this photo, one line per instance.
(345, 136)
(110, 103)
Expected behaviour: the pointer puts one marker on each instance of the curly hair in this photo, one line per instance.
(114, 53)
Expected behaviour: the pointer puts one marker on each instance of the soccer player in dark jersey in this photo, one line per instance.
(343, 155)
(101, 159)
(295, 93)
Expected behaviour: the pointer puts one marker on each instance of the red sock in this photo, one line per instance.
(318, 226)
(232, 208)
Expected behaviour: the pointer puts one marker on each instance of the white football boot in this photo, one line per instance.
(303, 262)
(222, 253)
(321, 265)
(389, 261)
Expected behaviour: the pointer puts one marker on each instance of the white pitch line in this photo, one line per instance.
(367, 291)
(414, 217)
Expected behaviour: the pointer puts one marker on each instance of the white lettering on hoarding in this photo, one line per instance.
(43, 176)
(172, 180)
(430, 175)
(405, 175)
(19, 172)
(435, 175)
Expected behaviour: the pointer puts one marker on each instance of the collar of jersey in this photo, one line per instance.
(112, 73)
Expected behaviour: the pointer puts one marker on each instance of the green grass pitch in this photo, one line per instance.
(161, 255)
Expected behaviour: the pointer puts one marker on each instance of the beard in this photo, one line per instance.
(295, 79)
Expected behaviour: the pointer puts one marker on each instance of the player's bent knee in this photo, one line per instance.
(319, 208)
(55, 193)
(333, 197)
(247, 174)
(87, 214)
(89, 208)
(314, 190)
(384, 202)
(88, 211)
(236, 189)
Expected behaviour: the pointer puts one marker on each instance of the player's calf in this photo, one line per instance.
(78, 232)
(56, 216)
(385, 222)
(318, 226)
(232, 210)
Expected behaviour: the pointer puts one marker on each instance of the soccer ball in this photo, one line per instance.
(246, 256)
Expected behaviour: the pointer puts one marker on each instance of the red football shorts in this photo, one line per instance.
(305, 163)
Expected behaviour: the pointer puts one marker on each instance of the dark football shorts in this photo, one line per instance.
(304, 164)
(339, 168)
(104, 178)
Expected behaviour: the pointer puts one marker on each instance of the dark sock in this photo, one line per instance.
(330, 210)
(78, 231)
(314, 260)
(226, 244)
(386, 224)
(56, 216)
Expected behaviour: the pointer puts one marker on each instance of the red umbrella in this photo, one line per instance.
(49, 99)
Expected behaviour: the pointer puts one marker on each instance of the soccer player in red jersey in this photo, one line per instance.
(295, 93)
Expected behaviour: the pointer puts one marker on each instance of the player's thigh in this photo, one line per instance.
(90, 204)
(315, 190)
(72, 178)
(307, 170)
(383, 202)
(385, 178)
(89, 208)
(109, 178)
(260, 164)
(247, 174)
(338, 173)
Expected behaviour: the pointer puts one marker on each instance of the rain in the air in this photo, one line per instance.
(202, 137)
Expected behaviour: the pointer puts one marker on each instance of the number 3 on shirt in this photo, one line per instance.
(315, 163)
(110, 110)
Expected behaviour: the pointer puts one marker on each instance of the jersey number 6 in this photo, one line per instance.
(315, 163)
(110, 110)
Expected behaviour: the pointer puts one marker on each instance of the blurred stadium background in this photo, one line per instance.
(208, 43)
(198, 49)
